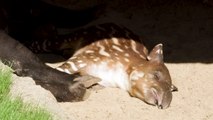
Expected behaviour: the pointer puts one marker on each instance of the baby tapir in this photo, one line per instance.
(126, 64)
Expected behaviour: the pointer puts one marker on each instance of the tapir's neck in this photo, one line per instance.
(117, 75)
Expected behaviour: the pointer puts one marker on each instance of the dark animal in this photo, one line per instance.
(67, 44)
(25, 63)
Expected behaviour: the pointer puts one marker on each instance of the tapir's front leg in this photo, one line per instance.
(25, 63)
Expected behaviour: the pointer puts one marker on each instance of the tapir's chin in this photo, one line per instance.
(157, 98)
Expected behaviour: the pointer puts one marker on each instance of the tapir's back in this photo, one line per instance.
(121, 50)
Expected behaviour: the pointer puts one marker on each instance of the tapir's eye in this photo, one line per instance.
(154, 76)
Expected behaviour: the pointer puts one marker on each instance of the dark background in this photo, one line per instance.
(185, 27)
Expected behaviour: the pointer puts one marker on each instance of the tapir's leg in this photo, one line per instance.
(25, 63)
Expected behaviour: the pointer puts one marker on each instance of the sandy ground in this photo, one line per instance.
(186, 30)
(192, 101)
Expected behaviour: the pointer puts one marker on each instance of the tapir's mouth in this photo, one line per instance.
(157, 99)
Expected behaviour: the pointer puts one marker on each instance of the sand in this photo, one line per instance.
(187, 34)
(192, 101)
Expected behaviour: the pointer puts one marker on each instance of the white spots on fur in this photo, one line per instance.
(133, 45)
(133, 67)
(96, 59)
(89, 51)
(126, 59)
(148, 57)
(60, 69)
(118, 58)
(79, 61)
(115, 41)
(64, 70)
(72, 58)
(142, 56)
(67, 71)
(126, 55)
(73, 67)
(82, 65)
(116, 54)
(125, 46)
(117, 48)
(106, 41)
(110, 50)
(102, 50)
(134, 48)
(136, 75)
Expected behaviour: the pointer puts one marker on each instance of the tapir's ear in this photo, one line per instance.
(174, 88)
(156, 55)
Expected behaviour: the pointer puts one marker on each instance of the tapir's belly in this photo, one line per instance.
(110, 75)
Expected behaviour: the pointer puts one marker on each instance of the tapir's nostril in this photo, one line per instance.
(156, 97)
(160, 106)
(154, 92)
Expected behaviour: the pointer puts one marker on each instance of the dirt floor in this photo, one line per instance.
(186, 30)
(192, 101)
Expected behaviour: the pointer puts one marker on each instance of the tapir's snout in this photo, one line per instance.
(162, 99)
(158, 98)
(159, 95)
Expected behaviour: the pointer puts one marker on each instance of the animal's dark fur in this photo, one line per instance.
(25, 63)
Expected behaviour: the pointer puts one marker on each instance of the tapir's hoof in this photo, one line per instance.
(63, 93)
(86, 81)
(73, 92)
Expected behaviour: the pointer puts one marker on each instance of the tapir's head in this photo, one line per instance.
(151, 81)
